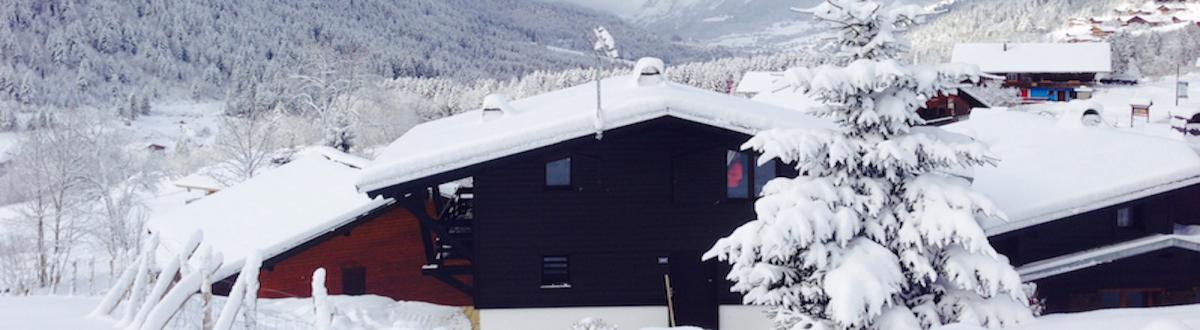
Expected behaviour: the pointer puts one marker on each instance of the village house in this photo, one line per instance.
(1041, 71)
(768, 87)
(1097, 218)
(304, 215)
(574, 213)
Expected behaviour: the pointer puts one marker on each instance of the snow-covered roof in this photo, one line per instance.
(200, 180)
(465, 139)
(1049, 171)
(758, 82)
(1089, 258)
(1081, 57)
(270, 213)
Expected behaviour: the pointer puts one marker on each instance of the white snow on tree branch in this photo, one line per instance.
(878, 231)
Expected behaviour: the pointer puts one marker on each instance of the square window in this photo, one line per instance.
(737, 175)
(354, 281)
(556, 272)
(1128, 218)
(558, 173)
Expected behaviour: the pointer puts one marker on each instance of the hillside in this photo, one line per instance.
(103, 50)
(986, 21)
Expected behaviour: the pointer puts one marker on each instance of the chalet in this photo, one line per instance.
(1098, 218)
(1042, 71)
(575, 213)
(768, 87)
(304, 215)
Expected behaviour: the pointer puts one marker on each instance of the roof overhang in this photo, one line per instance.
(1099, 256)
(1114, 199)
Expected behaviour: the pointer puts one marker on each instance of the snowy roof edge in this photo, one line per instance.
(1012, 225)
(1102, 255)
(231, 268)
(665, 111)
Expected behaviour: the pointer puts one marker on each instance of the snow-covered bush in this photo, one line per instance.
(874, 233)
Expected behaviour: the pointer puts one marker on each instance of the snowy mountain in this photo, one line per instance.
(110, 48)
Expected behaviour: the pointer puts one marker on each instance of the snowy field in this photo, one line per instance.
(373, 312)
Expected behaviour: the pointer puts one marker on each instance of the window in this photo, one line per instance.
(354, 281)
(558, 173)
(1128, 218)
(737, 174)
(556, 272)
(1148, 297)
(762, 174)
(741, 177)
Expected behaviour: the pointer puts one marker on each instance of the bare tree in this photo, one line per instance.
(51, 167)
(328, 88)
(246, 145)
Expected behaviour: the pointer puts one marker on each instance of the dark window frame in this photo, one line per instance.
(552, 278)
(753, 187)
(571, 180)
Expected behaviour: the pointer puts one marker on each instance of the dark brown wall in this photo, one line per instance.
(388, 245)
(644, 191)
(1173, 270)
(1098, 227)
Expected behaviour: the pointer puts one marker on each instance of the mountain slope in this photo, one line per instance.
(52, 51)
(996, 21)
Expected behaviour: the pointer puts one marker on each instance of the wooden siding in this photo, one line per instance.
(642, 192)
(1172, 271)
(1159, 214)
(387, 245)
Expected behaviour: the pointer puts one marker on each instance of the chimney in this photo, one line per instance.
(1006, 46)
(496, 106)
(649, 71)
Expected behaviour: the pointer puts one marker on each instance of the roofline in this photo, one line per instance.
(353, 219)
(381, 185)
(1063, 264)
(1099, 204)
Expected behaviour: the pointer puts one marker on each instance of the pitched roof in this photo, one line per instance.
(1050, 170)
(270, 213)
(1081, 57)
(1094, 257)
(468, 138)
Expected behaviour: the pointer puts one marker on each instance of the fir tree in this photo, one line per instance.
(875, 233)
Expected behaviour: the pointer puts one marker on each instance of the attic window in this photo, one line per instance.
(1128, 218)
(558, 173)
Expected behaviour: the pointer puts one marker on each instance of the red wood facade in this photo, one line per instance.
(386, 245)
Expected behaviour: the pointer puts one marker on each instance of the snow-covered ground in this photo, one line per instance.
(171, 121)
(50, 313)
(373, 312)
(359, 312)
(1114, 105)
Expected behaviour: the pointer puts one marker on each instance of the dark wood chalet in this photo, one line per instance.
(1133, 254)
(1040, 71)
(585, 222)
(574, 213)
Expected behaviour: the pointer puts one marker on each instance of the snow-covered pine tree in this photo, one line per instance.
(876, 232)
(340, 132)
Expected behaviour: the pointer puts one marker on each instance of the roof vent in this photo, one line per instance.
(649, 70)
(495, 106)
